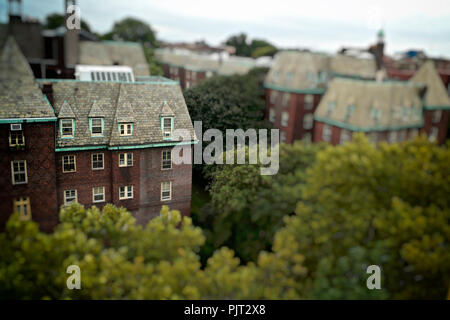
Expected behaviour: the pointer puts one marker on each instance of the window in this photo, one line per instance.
(309, 101)
(126, 129)
(286, 98)
(326, 133)
(114, 76)
(282, 136)
(166, 159)
(330, 107)
(436, 116)
(349, 111)
(167, 126)
(392, 136)
(97, 161)
(375, 114)
(166, 191)
(271, 115)
(19, 171)
(307, 137)
(284, 119)
(92, 76)
(273, 96)
(126, 159)
(402, 135)
(69, 164)
(413, 133)
(70, 196)
(16, 138)
(346, 135)
(373, 137)
(97, 126)
(433, 134)
(22, 207)
(67, 128)
(126, 192)
(308, 120)
(108, 74)
(98, 194)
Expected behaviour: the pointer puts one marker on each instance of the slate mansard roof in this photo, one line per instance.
(306, 71)
(110, 52)
(372, 106)
(20, 97)
(139, 103)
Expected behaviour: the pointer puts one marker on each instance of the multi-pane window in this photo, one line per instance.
(126, 129)
(271, 115)
(125, 159)
(346, 135)
(308, 120)
(436, 117)
(67, 128)
(326, 133)
(167, 127)
(282, 136)
(166, 161)
(97, 126)
(433, 134)
(307, 137)
(331, 105)
(98, 194)
(273, 96)
(166, 190)
(309, 101)
(22, 207)
(392, 136)
(286, 98)
(373, 136)
(16, 138)
(19, 171)
(97, 161)
(284, 119)
(70, 196)
(69, 163)
(402, 135)
(126, 192)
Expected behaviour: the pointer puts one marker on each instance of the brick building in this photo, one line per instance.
(90, 142)
(313, 97)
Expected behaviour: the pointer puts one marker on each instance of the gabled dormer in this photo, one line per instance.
(167, 121)
(66, 118)
(125, 119)
(96, 120)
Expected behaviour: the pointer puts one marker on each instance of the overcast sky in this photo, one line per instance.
(323, 25)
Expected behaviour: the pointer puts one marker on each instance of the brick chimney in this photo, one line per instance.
(379, 50)
(15, 11)
(47, 90)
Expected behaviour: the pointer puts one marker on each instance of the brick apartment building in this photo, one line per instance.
(90, 142)
(315, 97)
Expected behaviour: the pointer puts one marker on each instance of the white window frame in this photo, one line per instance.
(98, 194)
(24, 209)
(75, 196)
(72, 125)
(167, 134)
(103, 161)
(92, 127)
(327, 132)
(309, 105)
(282, 136)
(126, 191)
(284, 118)
(273, 97)
(166, 151)
(436, 116)
(434, 133)
(308, 121)
(127, 156)
(24, 171)
(16, 133)
(271, 115)
(307, 137)
(169, 197)
(74, 163)
(345, 136)
(286, 99)
(127, 129)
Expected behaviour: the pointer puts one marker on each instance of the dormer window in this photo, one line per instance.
(125, 129)
(167, 127)
(96, 125)
(375, 114)
(349, 111)
(67, 128)
(330, 107)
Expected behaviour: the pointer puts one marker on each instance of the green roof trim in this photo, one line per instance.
(123, 43)
(299, 91)
(436, 107)
(26, 120)
(168, 81)
(142, 146)
(350, 127)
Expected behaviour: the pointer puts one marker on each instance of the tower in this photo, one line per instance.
(15, 10)
(71, 37)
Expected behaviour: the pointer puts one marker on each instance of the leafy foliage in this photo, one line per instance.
(246, 48)
(56, 20)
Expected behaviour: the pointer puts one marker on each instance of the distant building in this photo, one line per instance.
(90, 142)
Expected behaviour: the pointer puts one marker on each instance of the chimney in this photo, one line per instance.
(71, 36)
(379, 50)
(15, 11)
(47, 90)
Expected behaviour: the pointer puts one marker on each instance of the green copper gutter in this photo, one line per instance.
(350, 127)
(298, 91)
(27, 120)
(142, 146)
(436, 107)
(164, 82)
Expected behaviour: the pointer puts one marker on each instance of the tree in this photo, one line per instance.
(256, 48)
(247, 208)
(134, 30)
(56, 20)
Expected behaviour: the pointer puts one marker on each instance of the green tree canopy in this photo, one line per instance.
(56, 20)
(246, 48)
(134, 30)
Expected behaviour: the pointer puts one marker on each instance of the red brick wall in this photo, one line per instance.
(41, 186)
(335, 133)
(441, 125)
